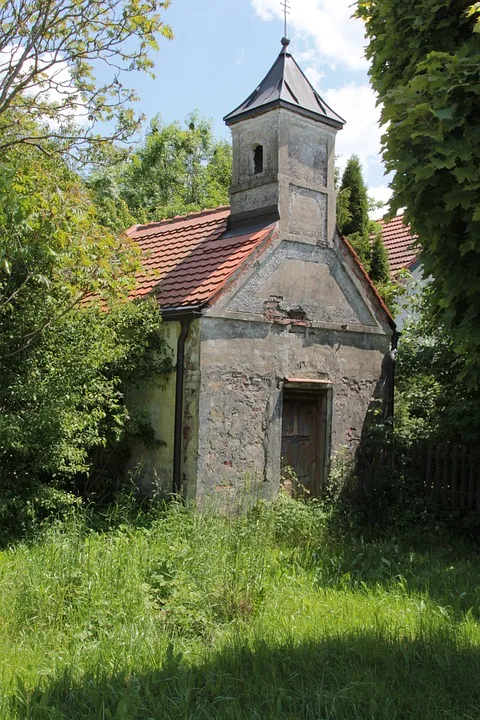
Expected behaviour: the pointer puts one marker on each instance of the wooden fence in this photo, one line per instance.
(447, 473)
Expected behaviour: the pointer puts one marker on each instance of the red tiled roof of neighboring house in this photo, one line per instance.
(188, 260)
(398, 241)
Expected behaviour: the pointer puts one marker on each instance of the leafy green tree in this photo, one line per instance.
(177, 170)
(64, 360)
(434, 399)
(53, 252)
(69, 343)
(63, 398)
(353, 219)
(105, 191)
(424, 68)
(62, 64)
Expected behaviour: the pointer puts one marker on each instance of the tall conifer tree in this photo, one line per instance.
(379, 265)
(358, 199)
(355, 225)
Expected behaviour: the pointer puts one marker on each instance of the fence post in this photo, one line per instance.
(463, 484)
(454, 484)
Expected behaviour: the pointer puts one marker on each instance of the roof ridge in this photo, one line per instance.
(177, 218)
(395, 217)
(171, 230)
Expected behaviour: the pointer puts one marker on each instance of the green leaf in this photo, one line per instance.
(446, 113)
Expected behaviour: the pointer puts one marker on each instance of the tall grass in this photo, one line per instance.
(276, 614)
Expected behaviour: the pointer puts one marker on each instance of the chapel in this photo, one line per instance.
(281, 341)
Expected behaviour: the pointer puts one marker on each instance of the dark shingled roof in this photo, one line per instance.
(285, 85)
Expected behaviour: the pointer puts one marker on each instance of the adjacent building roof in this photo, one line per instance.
(285, 85)
(399, 243)
(189, 259)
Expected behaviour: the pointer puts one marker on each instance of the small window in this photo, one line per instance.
(258, 159)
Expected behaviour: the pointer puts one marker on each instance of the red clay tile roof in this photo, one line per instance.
(398, 241)
(189, 259)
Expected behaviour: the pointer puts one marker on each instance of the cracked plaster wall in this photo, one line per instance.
(152, 466)
(297, 177)
(243, 365)
(307, 275)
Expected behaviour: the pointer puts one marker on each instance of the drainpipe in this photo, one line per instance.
(393, 356)
(180, 382)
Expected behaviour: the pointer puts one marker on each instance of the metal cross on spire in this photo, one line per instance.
(286, 11)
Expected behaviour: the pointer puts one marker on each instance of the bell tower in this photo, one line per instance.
(283, 138)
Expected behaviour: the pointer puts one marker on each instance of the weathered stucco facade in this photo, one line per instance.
(152, 467)
(284, 357)
(247, 361)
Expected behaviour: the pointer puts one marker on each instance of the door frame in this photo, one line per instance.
(314, 387)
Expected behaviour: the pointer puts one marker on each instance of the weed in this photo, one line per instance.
(278, 613)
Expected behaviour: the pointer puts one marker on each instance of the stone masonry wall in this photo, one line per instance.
(243, 367)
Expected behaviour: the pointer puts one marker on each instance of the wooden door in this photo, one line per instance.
(303, 440)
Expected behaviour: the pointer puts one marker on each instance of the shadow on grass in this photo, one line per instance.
(126, 509)
(441, 567)
(361, 677)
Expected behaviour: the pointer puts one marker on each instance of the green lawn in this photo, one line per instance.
(274, 615)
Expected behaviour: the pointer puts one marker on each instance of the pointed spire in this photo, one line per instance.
(285, 85)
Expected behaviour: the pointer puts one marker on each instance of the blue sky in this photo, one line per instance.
(222, 49)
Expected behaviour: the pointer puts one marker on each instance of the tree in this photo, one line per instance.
(424, 67)
(342, 204)
(64, 361)
(112, 209)
(69, 343)
(53, 251)
(358, 198)
(434, 399)
(176, 170)
(52, 56)
(354, 221)
(379, 265)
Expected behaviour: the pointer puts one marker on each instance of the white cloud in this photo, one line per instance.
(381, 194)
(326, 37)
(315, 76)
(326, 26)
(361, 134)
(52, 85)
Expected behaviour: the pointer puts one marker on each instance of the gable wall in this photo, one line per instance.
(301, 312)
